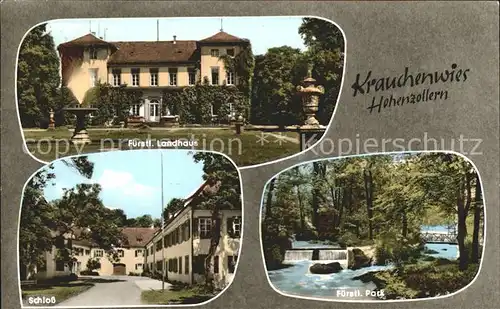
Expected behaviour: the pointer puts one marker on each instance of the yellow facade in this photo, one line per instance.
(80, 80)
(208, 61)
(195, 246)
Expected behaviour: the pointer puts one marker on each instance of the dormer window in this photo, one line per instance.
(93, 53)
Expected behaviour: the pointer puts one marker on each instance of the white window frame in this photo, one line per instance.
(153, 78)
(214, 52)
(229, 78)
(93, 53)
(237, 226)
(205, 226)
(231, 109)
(154, 105)
(136, 108)
(172, 78)
(227, 49)
(98, 253)
(139, 253)
(193, 74)
(135, 77)
(117, 77)
(212, 76)
(94, 77)
(139, 266)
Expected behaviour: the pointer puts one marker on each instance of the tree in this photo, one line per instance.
(274, 81)
(478, 211)
(325, 44)
(43, 223)
(93, 264)
(223, 192)
(144, 221)
(119, 217)
(242, 65)
(37, 77)
(172, 207)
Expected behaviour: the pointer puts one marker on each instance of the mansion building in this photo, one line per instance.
(181, 247)
(150, 66)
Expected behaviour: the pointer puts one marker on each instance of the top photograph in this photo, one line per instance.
(258, 89)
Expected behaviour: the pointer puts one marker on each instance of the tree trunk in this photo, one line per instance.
(214, 243)
(405, 225)
(269, 198)
(301, 211)
(369, 200)
(461, 233)
(478, 207)
(315, 194)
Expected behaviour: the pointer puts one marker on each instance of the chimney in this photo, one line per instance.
(175, 39)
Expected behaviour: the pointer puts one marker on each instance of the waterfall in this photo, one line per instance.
(297, 255)
(333, 255)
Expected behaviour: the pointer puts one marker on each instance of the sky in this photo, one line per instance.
(131, 180)
(263, 32)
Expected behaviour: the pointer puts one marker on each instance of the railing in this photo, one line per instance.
(440, 237)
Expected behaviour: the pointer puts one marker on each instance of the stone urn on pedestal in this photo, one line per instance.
(311, 131)
(80, 135)
(52, 122)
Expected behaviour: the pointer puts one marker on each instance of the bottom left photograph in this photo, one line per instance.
(128, 228)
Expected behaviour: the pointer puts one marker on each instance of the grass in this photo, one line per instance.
(244, 149)
(176, 295)
(60, 291)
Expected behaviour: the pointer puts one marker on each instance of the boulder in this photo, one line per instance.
(359, 259)
(323, 269)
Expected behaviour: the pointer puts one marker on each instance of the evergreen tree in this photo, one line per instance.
(37, 78)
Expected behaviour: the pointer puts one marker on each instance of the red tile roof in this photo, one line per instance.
(146, 52)
(154, 52)
(138, 236)
(88, 39)
(223, 37)
(133, 236)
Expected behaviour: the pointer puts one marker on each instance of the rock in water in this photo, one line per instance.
(360, 259)
(323, 269)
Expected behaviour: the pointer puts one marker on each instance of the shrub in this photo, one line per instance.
(89, 273)
(348, 239)
(193, 104)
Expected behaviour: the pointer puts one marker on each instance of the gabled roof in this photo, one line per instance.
(223, 37)
(86, 40)
(134, 237)
(154, 52)
(138, 236)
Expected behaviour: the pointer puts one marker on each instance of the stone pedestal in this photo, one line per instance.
(80, 135)
(309, 135)
(52, 123)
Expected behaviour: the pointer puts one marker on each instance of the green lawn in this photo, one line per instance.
(177, 295)
(249, 148)
(60, 291)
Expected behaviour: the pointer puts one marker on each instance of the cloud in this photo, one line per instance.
(125, 183)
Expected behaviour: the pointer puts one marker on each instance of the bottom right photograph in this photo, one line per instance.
(378, 227)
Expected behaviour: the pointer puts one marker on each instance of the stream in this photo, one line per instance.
(297, 280)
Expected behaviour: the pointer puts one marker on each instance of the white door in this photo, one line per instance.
(154, 110)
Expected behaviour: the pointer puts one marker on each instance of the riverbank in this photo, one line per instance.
(422, 280)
